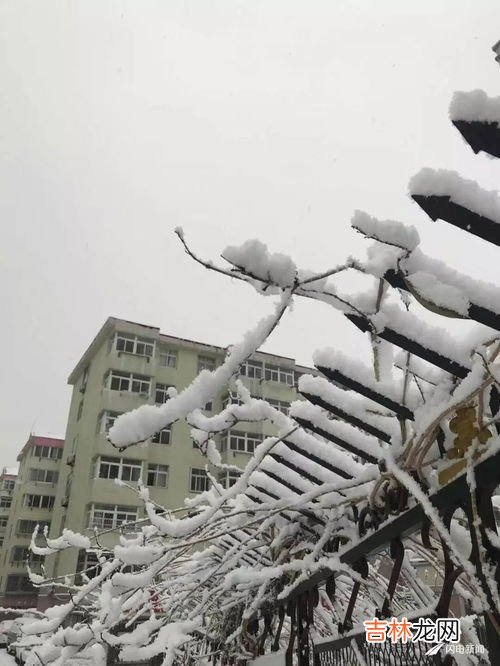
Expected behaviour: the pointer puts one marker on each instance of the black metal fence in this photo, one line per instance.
(404, 517)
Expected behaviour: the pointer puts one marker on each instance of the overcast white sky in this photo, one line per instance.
(120, 120)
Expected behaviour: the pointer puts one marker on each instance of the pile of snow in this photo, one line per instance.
(475, 106)
(337, 428)
(391, 387)
(386, 231)
(254, 258)
(477, 291)
(445, 295)
(467, 193)
(432, 337)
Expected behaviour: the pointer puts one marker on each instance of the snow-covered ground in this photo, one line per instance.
(6, 659)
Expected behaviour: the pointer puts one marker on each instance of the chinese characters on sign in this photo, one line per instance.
(442, 630)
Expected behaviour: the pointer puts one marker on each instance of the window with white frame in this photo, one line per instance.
(252, 369)
(206, 363)
(28, 526)
(3, 522)
(161, 393)
(8, 484)
(276, 373)
(39, 501)
(228, 479)
(109, 516)
(231, 399)
(281, 405)
(126, 382)
(106, 421)
(132, 344)
(158, 475)
(5, 501)
(199, 481)
(43, 475)
(50, 452)
(168, 358)
(243, 442)
(124, 469)
(162, 436)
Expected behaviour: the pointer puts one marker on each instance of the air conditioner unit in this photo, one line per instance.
(70, 460)
(65, 501)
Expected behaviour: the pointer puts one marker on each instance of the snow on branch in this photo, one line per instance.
(142, 423)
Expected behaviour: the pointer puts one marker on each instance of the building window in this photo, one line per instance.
(252, 369)
(8, 484)
(39, 501)
(281, 405)
(228, 479)
(162, 436)
(47, 452)
(206, 363)
(85, 378)
(231, 399)
(80, 410)
(5, 501)
(199, 481)
(108, 516)
(17, 583)
(43, 475)
(168, 358)
(106, 421)
(158, 475)
(27, 527)
(87, 563)
(275, 373)
(131, 344)
(126, 382)
(23, 553)
(3, 522)
(209, 406)
(243, 442)
(118, 468)
(161, 393)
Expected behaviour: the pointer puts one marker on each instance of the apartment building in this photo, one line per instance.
(29, 500)
(7, 484)
(127, 365)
